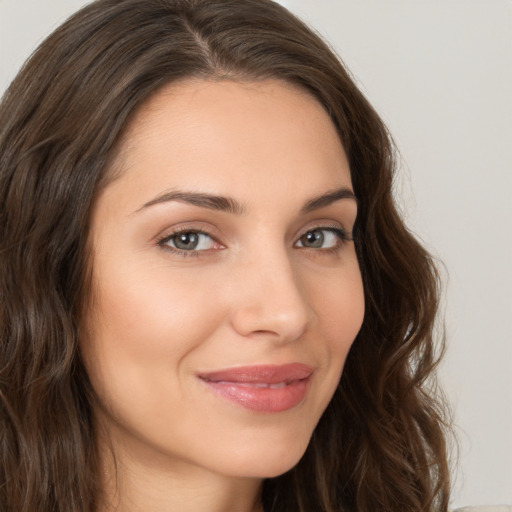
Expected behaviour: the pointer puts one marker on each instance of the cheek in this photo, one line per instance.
(340, 307)
(142, 325)
(338, 300)
(143, 329)
(152, 307)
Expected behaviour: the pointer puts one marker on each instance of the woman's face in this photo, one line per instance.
(226, 288)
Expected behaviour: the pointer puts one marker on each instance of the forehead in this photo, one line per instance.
(214, 135)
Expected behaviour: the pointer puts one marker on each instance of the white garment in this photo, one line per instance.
(486, 508)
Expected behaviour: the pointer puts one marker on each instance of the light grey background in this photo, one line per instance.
(440, 74)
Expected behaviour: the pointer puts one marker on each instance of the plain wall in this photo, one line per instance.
(440, 74)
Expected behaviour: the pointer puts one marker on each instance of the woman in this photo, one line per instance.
(198, 240)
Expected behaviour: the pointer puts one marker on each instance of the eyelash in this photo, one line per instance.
(162, 242)
(341, 233)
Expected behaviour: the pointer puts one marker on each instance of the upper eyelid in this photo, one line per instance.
(178, 231)
(208, 229)
(187, 227)
(333, 226)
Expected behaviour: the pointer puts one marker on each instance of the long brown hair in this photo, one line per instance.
(381, 443)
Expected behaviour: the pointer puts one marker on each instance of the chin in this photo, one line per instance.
(267, 462)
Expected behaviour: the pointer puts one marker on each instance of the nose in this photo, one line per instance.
(269, 300)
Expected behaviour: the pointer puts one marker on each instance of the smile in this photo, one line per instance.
(269, 389)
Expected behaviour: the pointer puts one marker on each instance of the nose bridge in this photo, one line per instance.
(271, 298)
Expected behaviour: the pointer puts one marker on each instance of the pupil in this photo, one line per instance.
(314, 239)
(186, 241)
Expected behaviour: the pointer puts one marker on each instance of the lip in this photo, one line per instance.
(262, 388)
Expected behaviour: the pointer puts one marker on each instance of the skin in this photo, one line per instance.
(253, 292)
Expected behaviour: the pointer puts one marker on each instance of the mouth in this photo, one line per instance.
(265, 388)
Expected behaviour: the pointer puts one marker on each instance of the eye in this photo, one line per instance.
(322, 238)
(189, 241)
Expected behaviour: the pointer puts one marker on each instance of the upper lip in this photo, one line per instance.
(268, 374)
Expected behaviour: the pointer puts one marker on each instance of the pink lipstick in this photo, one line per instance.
(264, 388)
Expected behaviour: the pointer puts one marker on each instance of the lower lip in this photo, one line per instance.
(262, 399)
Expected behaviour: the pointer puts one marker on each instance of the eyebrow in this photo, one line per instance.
(327, 199)
(212, 202)
(230, 205)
